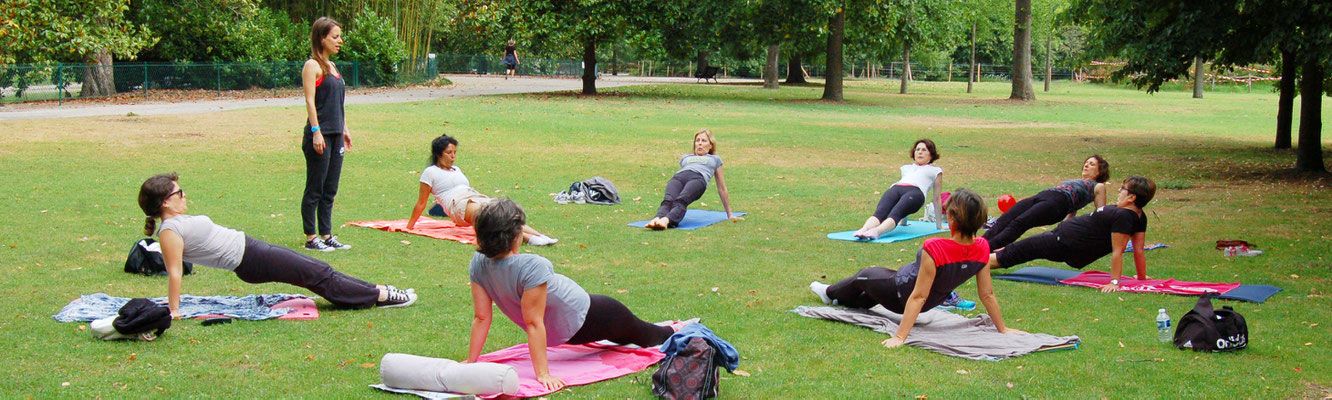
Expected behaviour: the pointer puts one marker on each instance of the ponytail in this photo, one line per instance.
(150, 226)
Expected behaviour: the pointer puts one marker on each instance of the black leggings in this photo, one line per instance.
(608, 319)
(898, 202)
(263, 263)
(1045, 208)
(322, 172)
(684, 188)
(865, 289)
(1049, 246)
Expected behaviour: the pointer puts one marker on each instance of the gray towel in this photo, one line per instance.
(944, 332)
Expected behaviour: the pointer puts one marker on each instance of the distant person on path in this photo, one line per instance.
(195, 238)
(689, 183)
(325, 135)
(511, 59)
(454, 192)
(1052, 205)
(1081, 240)
(941, 266)
(551, 308)
(907, 195)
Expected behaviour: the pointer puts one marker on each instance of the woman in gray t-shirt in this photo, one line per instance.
(550, 307)
(195, 238)
(689, 183)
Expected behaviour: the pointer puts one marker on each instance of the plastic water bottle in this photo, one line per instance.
(1163, 326)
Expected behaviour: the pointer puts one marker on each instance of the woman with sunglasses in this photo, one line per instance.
(195, 238)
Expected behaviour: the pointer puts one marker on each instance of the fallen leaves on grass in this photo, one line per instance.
(367, 365)
(741, 373)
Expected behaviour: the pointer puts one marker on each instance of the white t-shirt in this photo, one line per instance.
(920, 176)
(444, 183)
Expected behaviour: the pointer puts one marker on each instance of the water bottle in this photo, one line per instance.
(1163, 326)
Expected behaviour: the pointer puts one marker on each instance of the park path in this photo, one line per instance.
(463, 86)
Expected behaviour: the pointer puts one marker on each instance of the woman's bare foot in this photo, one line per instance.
(659, 223)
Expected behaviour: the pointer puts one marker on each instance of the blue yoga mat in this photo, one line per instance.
(695, 219)
(1051, 276)
(913, 230)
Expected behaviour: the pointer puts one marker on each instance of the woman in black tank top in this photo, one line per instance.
(511, 59)
(325, 136)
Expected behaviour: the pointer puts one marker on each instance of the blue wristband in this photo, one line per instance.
(314, 129)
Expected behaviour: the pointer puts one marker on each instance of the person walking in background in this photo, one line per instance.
(511, 59)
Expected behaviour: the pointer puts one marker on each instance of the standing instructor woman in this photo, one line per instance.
(326, 135)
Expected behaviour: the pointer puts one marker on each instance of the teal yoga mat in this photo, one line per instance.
(913, 230)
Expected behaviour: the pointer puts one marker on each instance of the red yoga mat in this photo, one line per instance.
(434, 228)
(1096, 279)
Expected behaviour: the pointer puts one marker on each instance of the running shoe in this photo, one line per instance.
(956, 303)
(1242, 251)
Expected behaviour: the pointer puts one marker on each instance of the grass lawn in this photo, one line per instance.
(801, 168)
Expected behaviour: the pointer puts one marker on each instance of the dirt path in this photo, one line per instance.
(463, 85)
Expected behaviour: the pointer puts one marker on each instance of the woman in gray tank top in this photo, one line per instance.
(689, 183)
(195, 238)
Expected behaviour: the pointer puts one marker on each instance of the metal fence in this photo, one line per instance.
(59, 82)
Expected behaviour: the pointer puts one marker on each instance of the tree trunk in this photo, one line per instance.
(770, 70)
(590, 66)
(1309, 157)
(1048, 70)
(99, 76)
(615, 61)
(832, 75)
(906, 68)
(1022, 78)
(1286, 102)
(971, 72)
(1197, 77)
(794, 72)
(702, 60)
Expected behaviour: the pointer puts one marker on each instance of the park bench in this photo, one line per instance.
(709, 72)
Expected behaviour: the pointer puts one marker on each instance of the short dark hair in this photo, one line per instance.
(1102, 168)
(929, 144)
(152, 193)
(1141, 187)
(968, 211)
(497, 225)
(438, 146)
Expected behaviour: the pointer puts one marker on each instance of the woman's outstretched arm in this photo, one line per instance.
(421, 199)
(173, 251)
(481, 313)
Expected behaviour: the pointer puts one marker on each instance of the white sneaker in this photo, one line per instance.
(541, 240)
(820, 289)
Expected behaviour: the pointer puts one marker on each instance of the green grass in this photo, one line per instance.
(801, 168)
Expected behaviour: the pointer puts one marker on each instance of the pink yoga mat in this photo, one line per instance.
(1096, 279)
(434, 228)
(302, 308)
(576, 364)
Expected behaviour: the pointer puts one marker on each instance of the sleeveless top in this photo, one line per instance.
(330, 91)
(1079, 192)
(920, 176)
(954, 264)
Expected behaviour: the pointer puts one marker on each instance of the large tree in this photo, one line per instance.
(82, 31)
(832, 75)
(1022, 78)
(1160, 41)
(587, 24)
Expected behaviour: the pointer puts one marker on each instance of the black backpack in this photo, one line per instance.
(1205, 329)
(145, 258)
(690, 374)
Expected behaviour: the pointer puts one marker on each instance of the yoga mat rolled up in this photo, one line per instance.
(406, 371)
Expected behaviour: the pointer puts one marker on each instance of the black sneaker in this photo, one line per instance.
(397, 298)
(333, 242)
(318, 244)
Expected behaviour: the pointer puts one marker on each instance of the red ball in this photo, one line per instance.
(1006, 202)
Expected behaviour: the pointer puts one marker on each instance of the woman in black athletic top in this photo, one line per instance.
(511, 59)
(326, 135)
